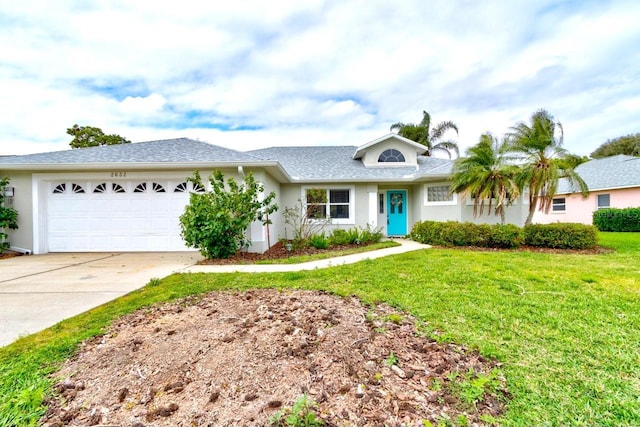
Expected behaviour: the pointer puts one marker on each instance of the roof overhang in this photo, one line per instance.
(273, 167)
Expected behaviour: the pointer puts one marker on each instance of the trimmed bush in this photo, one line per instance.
(561, 235)
(506, 236)
(452, 233)
(612, 219)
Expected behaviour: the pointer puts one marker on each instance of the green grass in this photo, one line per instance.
(565, 327)
(331, 253)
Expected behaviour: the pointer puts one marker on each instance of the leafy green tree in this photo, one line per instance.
(628, 144)
(486, 175)
(8, 217)
(538, 146)
(216, 221)
(88, 136)
(422, 133)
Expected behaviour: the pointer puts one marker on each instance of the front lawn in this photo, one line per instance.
(565, 327)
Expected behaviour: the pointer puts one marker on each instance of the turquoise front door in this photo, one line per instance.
(396, 213)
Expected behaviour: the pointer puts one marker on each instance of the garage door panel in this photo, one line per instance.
(110, 221)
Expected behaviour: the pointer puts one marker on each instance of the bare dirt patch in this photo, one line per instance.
(235, 359)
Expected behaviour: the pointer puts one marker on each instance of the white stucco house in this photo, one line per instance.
(129, 197)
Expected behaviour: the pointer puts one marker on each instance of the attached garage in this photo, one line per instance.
(118, 198)
(115, 215)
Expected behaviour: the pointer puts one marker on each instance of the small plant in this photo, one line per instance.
(299, 415)
(391, 360)
(303, 222)
(8, 217)
(471, 386)
(319, 241)
(154, 281)
(394, 318)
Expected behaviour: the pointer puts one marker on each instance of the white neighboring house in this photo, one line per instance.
(613, 182)
(129, 197)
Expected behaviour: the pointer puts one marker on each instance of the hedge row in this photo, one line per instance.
(612, 219)
(452, 233)
(561, 235)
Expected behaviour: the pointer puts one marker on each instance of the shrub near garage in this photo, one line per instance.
(561, 235)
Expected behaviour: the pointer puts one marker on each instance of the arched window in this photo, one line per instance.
(391, 156)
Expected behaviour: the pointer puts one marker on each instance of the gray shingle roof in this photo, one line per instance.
(610, 172)
(178, 150)
(303, 164)
(335, 163)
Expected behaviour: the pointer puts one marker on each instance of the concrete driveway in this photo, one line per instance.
(38, 291)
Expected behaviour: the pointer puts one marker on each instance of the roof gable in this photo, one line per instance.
(411, 145)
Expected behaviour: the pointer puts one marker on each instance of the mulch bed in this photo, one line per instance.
(277, 251)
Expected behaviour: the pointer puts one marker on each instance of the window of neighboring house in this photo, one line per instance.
(604, 201)
(559, 204)
(439, 195)
(332, 203)
(391, 156)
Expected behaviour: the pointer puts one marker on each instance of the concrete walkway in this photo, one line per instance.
(405, 246)
(38, 291)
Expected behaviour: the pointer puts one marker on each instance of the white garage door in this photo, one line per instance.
(116, 215)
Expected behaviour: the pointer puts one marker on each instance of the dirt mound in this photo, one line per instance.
(237, 359)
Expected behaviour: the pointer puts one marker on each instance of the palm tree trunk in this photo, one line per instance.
(533, 204)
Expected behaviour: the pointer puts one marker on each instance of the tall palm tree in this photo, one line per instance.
(486, 175)
(539, 146)
(430, 138)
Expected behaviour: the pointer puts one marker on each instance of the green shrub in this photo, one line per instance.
(452, 233)
(215, 222)
(319, 241)
(365, 236)
(561, 235)
(612, 219)
(339, 237)
(506, 236)
(370, 235)
(8, 217)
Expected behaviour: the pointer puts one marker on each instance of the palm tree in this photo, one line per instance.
(486, 176)
(430, 138)
(539, 146)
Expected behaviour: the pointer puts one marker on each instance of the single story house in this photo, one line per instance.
(129, 197)
(614, 182)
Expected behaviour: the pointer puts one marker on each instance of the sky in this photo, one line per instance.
(249, 74)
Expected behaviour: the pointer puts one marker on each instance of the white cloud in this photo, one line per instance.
(317, 72)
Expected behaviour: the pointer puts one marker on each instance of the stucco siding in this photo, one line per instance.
(580, 210)
(373, 153)
(22, 202)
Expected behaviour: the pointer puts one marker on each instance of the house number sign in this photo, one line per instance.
(118, 174)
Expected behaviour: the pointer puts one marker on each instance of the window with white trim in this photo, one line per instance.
(604, 201)
(439, 194)
(329, 203)
(559, 204)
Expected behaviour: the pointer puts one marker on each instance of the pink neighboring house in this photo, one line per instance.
(614, 182)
